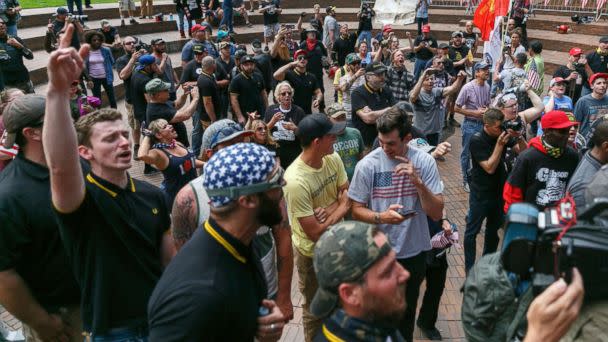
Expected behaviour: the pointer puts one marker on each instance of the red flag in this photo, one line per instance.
(486, 13)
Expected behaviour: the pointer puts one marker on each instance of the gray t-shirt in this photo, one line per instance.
(513, 77)
(428, 111)
(330, 24)
(583, 174)
(376, 184)
(587, 110)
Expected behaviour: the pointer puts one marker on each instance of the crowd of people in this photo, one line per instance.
(279, 170)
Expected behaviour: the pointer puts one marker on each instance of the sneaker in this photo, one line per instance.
(432, 334)
(122, 23)
(133, 21)
(89, 6)
(454, 123)
(465, 186)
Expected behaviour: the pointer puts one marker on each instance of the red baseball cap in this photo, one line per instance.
(556, 119)
(300, 52)
(575, 51)
(196, 28)
(426, 28)
(597, 75)
(556, 80)
(387, 28)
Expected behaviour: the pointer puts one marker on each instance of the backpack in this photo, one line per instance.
(490, 309)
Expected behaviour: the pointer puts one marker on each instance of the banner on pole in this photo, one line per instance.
(397, 12)
(492, 49)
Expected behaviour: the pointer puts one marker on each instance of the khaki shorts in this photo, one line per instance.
(131, 117)
(70, 316)
(125, 5)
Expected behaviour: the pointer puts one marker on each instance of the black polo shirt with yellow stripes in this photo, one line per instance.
(113, 241)
(248, 89)
(211, 291)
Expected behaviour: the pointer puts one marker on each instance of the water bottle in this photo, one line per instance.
(262, 311)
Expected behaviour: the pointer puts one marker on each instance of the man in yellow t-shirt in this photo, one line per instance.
(316, 198)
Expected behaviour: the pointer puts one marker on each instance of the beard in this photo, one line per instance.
(384, 311)
(269, 212)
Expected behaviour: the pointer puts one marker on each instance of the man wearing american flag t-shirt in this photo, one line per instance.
(390, 183)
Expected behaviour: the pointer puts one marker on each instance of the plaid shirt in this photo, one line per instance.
(398, 83)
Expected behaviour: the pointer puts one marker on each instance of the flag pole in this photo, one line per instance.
(504, 26)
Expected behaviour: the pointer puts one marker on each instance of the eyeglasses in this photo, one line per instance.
(285, 93)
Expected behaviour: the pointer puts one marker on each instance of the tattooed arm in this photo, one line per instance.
(183, 216)
(282, 236)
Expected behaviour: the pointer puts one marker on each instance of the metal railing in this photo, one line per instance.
(573, 6)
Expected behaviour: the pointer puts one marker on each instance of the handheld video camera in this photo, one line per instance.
(545, 246)
(515, 125)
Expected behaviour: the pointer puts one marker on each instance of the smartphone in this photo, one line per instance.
(290, 26)
(406, 212)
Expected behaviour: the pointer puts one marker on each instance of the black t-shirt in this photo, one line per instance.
(271, 16)
(482, 183)
(248, 89)
(456, 54)
(207, 87)
(192, 70)
(597, 62)
(29, 235)
(167, 111)
(109, 35)
(364, 96)
(315, 57)
(542, 178)
(277, 63)
(211, 291)
(263, 64)
(121, 63)
(469, 39)
(113, 241)
(226, 66)
(343, 46)
(288, 140)
(304, 86)
(58, 26)
(138, 91)
(14, 71)
(365, 21)
(425, 53)
(563, 72)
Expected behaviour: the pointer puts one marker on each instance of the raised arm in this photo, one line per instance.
(59, 135)
(537, 108)
(186, 112)
(453, 89)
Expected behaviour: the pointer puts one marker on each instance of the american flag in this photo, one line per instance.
(583, 3)
(533, 76)
(600, 4)
(391, 185)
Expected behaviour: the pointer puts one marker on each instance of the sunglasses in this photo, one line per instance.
(301, 58)
(261, 129)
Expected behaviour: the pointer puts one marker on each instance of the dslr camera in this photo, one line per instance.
(515, 125)
(544, 246)
(79, 17)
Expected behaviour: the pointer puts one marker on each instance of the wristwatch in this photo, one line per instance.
(377, 217)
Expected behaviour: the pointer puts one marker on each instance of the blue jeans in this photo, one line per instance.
(482, 206)
(78, 6)
(11, 30)
(367, 35)
(469, 127)
(197, 134)
(227, 18)
(419, 67)
(108, 87)
(122, 335)
(420, 22)
(180, 20)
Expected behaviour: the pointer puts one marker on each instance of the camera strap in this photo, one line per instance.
(566, 216)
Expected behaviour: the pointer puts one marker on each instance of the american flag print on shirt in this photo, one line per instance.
(391, 185)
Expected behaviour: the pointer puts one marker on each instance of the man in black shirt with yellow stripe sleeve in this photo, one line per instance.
(112, 226)
(214, 289)
(247, 93)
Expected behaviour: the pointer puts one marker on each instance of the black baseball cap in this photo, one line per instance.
(316, 126)
(375, 68)
(247, 58)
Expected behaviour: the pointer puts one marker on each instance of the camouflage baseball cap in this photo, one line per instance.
(343, 254)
